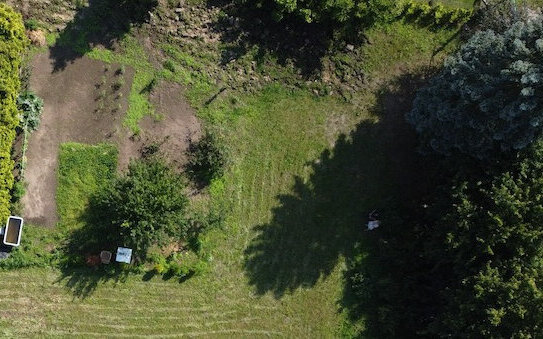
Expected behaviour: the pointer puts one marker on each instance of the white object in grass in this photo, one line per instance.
(373, 224)
(124, 255)
(13, 231)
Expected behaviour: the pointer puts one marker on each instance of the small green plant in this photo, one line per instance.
(121, 70)
(169, 65)
(31, 107)
(207, 158)
(117, 85)
(31, 24)
(79, 4)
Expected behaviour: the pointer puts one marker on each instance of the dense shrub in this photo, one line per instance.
(31, 24)
(208, 158)
(145, 207)
(488, 98)
(12, 45)
(434, 15)
(363, 12)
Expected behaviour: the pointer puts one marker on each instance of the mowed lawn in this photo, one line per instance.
(295, 200)
(225, 301)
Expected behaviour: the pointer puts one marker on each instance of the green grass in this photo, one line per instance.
(83, 169)
(295, 199)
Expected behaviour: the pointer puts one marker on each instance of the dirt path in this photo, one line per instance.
(76, 109)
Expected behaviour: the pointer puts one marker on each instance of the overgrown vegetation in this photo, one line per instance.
(363, 12)
(434, 15)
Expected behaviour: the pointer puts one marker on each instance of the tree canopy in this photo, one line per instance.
(489, 96)
(145, 207)
(494, 242)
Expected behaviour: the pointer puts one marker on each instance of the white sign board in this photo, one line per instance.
(124, 255)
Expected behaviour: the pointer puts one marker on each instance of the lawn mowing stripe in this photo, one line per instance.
(143, 327)
(173, 335)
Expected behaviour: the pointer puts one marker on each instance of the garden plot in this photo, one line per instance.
(86, 102)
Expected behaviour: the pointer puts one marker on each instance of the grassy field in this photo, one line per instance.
(82, 170)
(296, 197)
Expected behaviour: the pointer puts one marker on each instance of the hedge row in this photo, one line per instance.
(13, 42)
(434, 15)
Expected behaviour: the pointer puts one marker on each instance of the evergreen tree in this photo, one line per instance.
(494, 244)
(489, 96)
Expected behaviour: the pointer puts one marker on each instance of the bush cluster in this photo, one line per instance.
(208, 158)
(145, 207)
(13, 42)
(182, 265)
(339, 13)
(434, 15)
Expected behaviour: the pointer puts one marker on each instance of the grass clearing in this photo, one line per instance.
(294, 198)
(83, 169)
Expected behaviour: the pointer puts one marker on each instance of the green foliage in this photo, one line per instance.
(208, 158)
(340, 12)
(83, 171)
(434, 15)
(494, 241)
(145, 207)
(31, 24)
(488, 98)
(13, 42)
(35, 250)
(31, 106)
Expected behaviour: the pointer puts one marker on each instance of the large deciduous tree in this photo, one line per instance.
(489, 96)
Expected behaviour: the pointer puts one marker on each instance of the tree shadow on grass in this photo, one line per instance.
(83, 281)
(376, 167)
(101, 23)
(81, 270)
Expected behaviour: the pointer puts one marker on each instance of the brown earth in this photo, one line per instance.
(81, 105)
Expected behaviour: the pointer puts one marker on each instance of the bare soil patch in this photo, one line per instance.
(82, 104)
